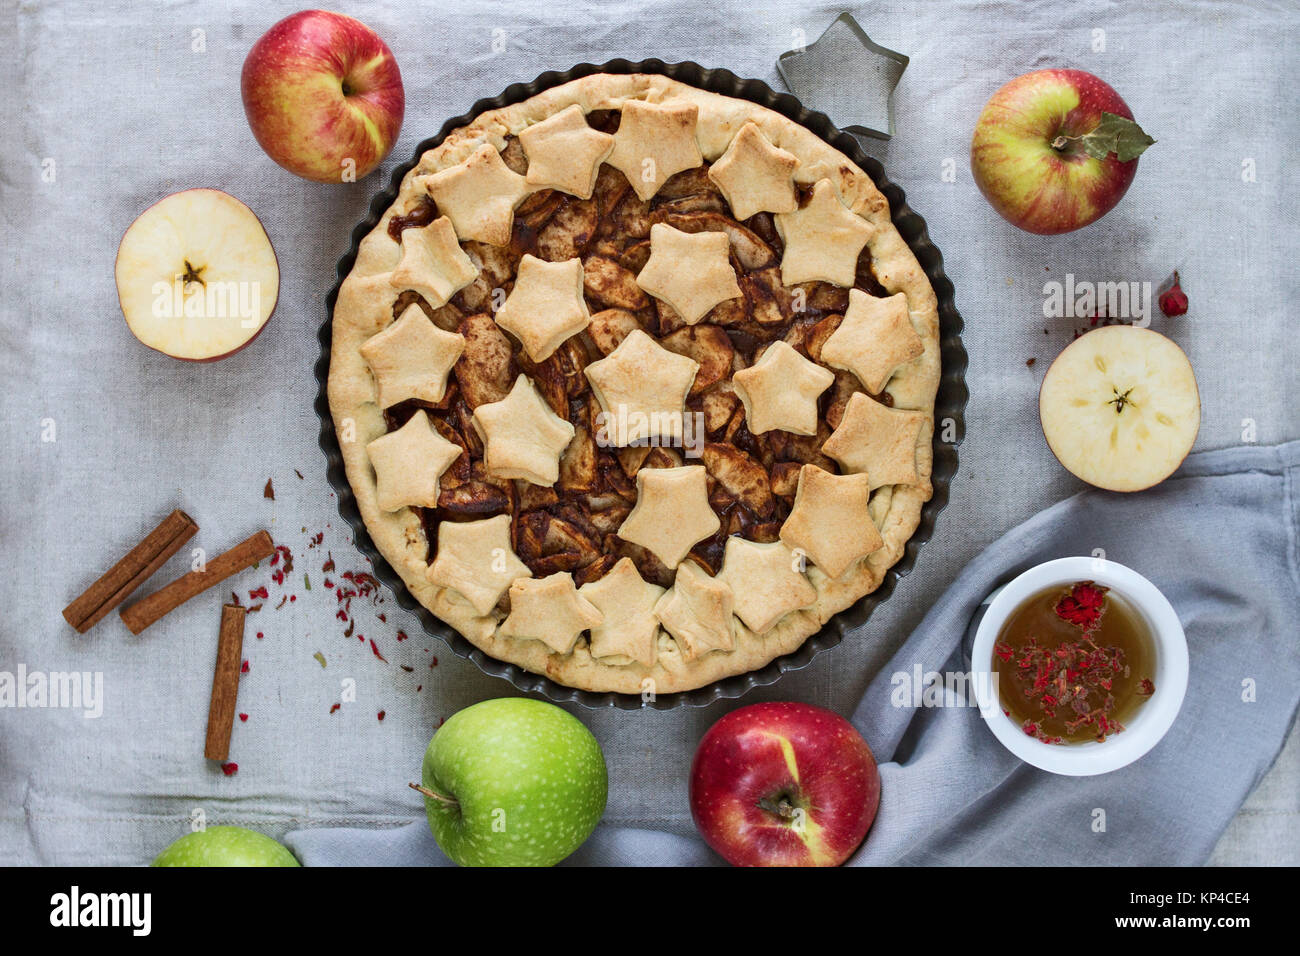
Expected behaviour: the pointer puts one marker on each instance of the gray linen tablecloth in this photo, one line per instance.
(115, 104)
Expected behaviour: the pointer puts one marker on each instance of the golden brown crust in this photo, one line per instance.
(364, 307)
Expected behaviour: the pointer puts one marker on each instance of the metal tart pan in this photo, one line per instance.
(950, 403)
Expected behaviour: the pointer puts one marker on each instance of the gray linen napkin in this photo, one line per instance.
(1219, 539)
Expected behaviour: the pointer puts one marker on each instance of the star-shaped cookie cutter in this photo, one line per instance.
(817, 75)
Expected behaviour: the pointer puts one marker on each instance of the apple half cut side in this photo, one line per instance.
(1120, 408)
(197, 277)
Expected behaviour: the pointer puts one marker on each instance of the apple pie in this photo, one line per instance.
(635, 384)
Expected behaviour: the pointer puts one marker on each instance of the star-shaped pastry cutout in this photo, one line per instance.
(412, 358)
(829, 521)
(627, 602)
(875, 338)
(822, 240)
(767, 580)
(780, 391)
(565, 153)
(433, 263)
(479, 196)
(878, 440)
(696, 611)
(755, 176)
(475, 559)
(522, 437)
(654, 142)
(672, 512)
(549, 610)
(545, 306)
(641, 388)
(409, 462)
(690, 271)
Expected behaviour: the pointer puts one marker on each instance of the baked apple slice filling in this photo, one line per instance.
(752, 478)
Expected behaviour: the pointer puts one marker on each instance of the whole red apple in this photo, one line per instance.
(784, 784)
(1055, 150)
(323, 96)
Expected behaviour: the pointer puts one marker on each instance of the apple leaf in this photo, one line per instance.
(1115, 134)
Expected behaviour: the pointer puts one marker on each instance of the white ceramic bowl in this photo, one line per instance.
(1144, 730)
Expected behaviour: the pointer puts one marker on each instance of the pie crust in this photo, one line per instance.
(612, 176)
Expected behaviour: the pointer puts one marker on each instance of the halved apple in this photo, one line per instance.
(1120, 408)
(197, 277)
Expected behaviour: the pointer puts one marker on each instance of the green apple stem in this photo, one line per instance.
(446, 801)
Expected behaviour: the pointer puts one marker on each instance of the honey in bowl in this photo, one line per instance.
(1073, 663)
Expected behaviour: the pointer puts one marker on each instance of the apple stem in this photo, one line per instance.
(1060, 142)
(445, 800)
(781, 806)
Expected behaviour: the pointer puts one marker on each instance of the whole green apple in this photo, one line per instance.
(225, 846)
(513, 782)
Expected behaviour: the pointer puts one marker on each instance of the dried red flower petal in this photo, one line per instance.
(1173, 301)
(1075, 675)
(1083, 606)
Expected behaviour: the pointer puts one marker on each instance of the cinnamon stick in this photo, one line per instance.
(117, 583)
(243, 555)
(225, 682)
